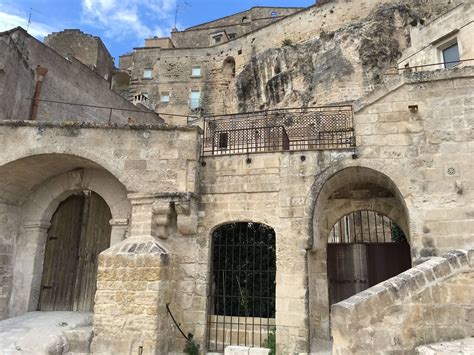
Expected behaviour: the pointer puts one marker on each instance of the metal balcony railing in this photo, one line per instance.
(315, 128)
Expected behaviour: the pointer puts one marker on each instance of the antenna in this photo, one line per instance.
(177, 10)
(29, 17)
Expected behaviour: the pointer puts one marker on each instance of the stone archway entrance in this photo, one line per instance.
(79, 231)
(340, 200)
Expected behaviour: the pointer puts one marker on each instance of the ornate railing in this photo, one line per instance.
(315, 128)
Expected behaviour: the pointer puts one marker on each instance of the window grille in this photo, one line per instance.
(242, 292)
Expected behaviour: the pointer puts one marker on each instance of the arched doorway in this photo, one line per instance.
(364, 248)
(242, 290)
(79, 231)
(340, 199)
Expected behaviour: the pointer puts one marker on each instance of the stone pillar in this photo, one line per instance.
(28, 267)
(133, 277)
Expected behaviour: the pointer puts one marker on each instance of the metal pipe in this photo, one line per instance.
(40, 75)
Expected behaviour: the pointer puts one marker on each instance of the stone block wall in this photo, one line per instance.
(88, 49)
(68, 81)
(431, 302)
(434, 139)
(427, 41)
(133, 288)
(16, 81)
(9, 221)
(334, 34)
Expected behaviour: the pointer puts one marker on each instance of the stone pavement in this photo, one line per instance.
(40, 332)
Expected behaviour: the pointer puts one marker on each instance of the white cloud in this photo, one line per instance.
(11, 20)
(126, 18)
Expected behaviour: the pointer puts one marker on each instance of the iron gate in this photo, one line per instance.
(242, 297)
(364, 248)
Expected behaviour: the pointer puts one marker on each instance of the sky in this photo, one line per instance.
(121, 24)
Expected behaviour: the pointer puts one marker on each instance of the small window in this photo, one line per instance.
(232, 35)
(217, 39)
(223, 140)
(147, 73)
(245, 19)
(195, 99)
(165, 97)
(451, 56)
(274, 14)
(196, 71)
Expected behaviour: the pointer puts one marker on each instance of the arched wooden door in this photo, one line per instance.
(79, 231)
(364, 249)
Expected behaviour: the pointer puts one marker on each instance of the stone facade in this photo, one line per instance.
(265, 73)
(89, 50)
(411, 161)
(70, 91)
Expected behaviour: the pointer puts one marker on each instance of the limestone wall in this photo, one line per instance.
(231, 26)
(67, 81)
(434, 140)
(428, 40)
(431, 302)
(113, 161)
(16, 81)
(88, 49)
(339, 52)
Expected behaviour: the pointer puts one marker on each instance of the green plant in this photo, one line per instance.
(270, 342)
(286, 42)
(191, 347)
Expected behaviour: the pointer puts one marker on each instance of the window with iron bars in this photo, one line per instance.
(242, 297)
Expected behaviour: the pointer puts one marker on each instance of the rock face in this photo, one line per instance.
(334, 68)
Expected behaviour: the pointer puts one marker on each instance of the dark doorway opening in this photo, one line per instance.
(79, 231)
(242, 296)
(364, 249)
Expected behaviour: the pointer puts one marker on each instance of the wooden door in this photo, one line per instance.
(353, 268)
(79, 231)
(386, 260)
(347, 270)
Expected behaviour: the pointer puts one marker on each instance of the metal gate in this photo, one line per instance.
(364, 249)
(79, 231)
(242, 295)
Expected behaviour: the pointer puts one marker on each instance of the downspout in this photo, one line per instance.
(40, 75)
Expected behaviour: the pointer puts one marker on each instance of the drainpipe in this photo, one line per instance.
(40, 75)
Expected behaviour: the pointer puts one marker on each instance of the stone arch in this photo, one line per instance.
(32, 188)
(338, 191)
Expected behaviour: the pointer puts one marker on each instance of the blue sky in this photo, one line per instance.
(122, 24)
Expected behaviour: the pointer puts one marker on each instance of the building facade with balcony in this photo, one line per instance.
(321, 197)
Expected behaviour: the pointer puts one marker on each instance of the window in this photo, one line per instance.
(217, 39)
(165, 97)
(195, 99)
(223, 140)
(232, 35)
(147, 73)
(451, 56)
(242, 285)
(245, 19)
(196, 71)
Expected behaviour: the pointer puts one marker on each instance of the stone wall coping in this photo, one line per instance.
(93, 125)
(409, 283)
(411, 78)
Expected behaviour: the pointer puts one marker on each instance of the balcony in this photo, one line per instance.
(315, 128)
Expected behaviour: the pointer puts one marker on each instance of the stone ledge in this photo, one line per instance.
(93, 125)
(402, 286)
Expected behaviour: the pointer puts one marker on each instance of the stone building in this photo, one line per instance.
(319, 193)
